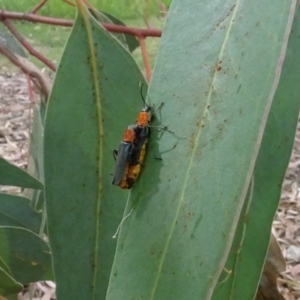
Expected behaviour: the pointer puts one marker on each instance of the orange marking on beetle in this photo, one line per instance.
(143, 119)
(129, 135)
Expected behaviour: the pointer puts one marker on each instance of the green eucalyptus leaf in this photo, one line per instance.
(9, 42)
(95, 96)
(26, 254)
(103, 18)
(36, 155)
(16, 211)
(216, 72)
(131, 40)
(8, 285)
(12, 175)
(251, 242)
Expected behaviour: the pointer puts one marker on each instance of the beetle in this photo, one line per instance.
(132, 150)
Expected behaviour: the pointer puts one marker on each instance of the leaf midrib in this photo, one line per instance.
(84, 14)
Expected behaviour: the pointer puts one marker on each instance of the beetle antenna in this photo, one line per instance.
(141, 91)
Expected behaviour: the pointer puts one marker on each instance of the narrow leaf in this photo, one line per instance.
(12, 175)
(9, 42)
(217, 95)
(251, 242)
(131, 40)
(36, 154)
(8, 285)
(16, 211)
(96, 95)
(103, 18)
(4, 266)
(26, 254)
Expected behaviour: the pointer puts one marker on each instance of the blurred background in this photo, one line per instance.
(50, 40)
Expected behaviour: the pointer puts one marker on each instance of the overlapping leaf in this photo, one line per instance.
(217, 75)
(131, 40)
(251, 242)
(16, 211)
(12, 175)
(8, 285)
(25, 254)
(9, 42)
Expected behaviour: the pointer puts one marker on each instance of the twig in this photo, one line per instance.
(145, 58)
(37, 78)
(34, 18)
(62, 22)
(69, 2)
(27, 46)
(132, 31)
(38, 7)
(30, 89)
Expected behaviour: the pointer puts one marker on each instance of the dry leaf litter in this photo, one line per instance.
(15, 122)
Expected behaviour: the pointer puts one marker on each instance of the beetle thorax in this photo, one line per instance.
(143, 118)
